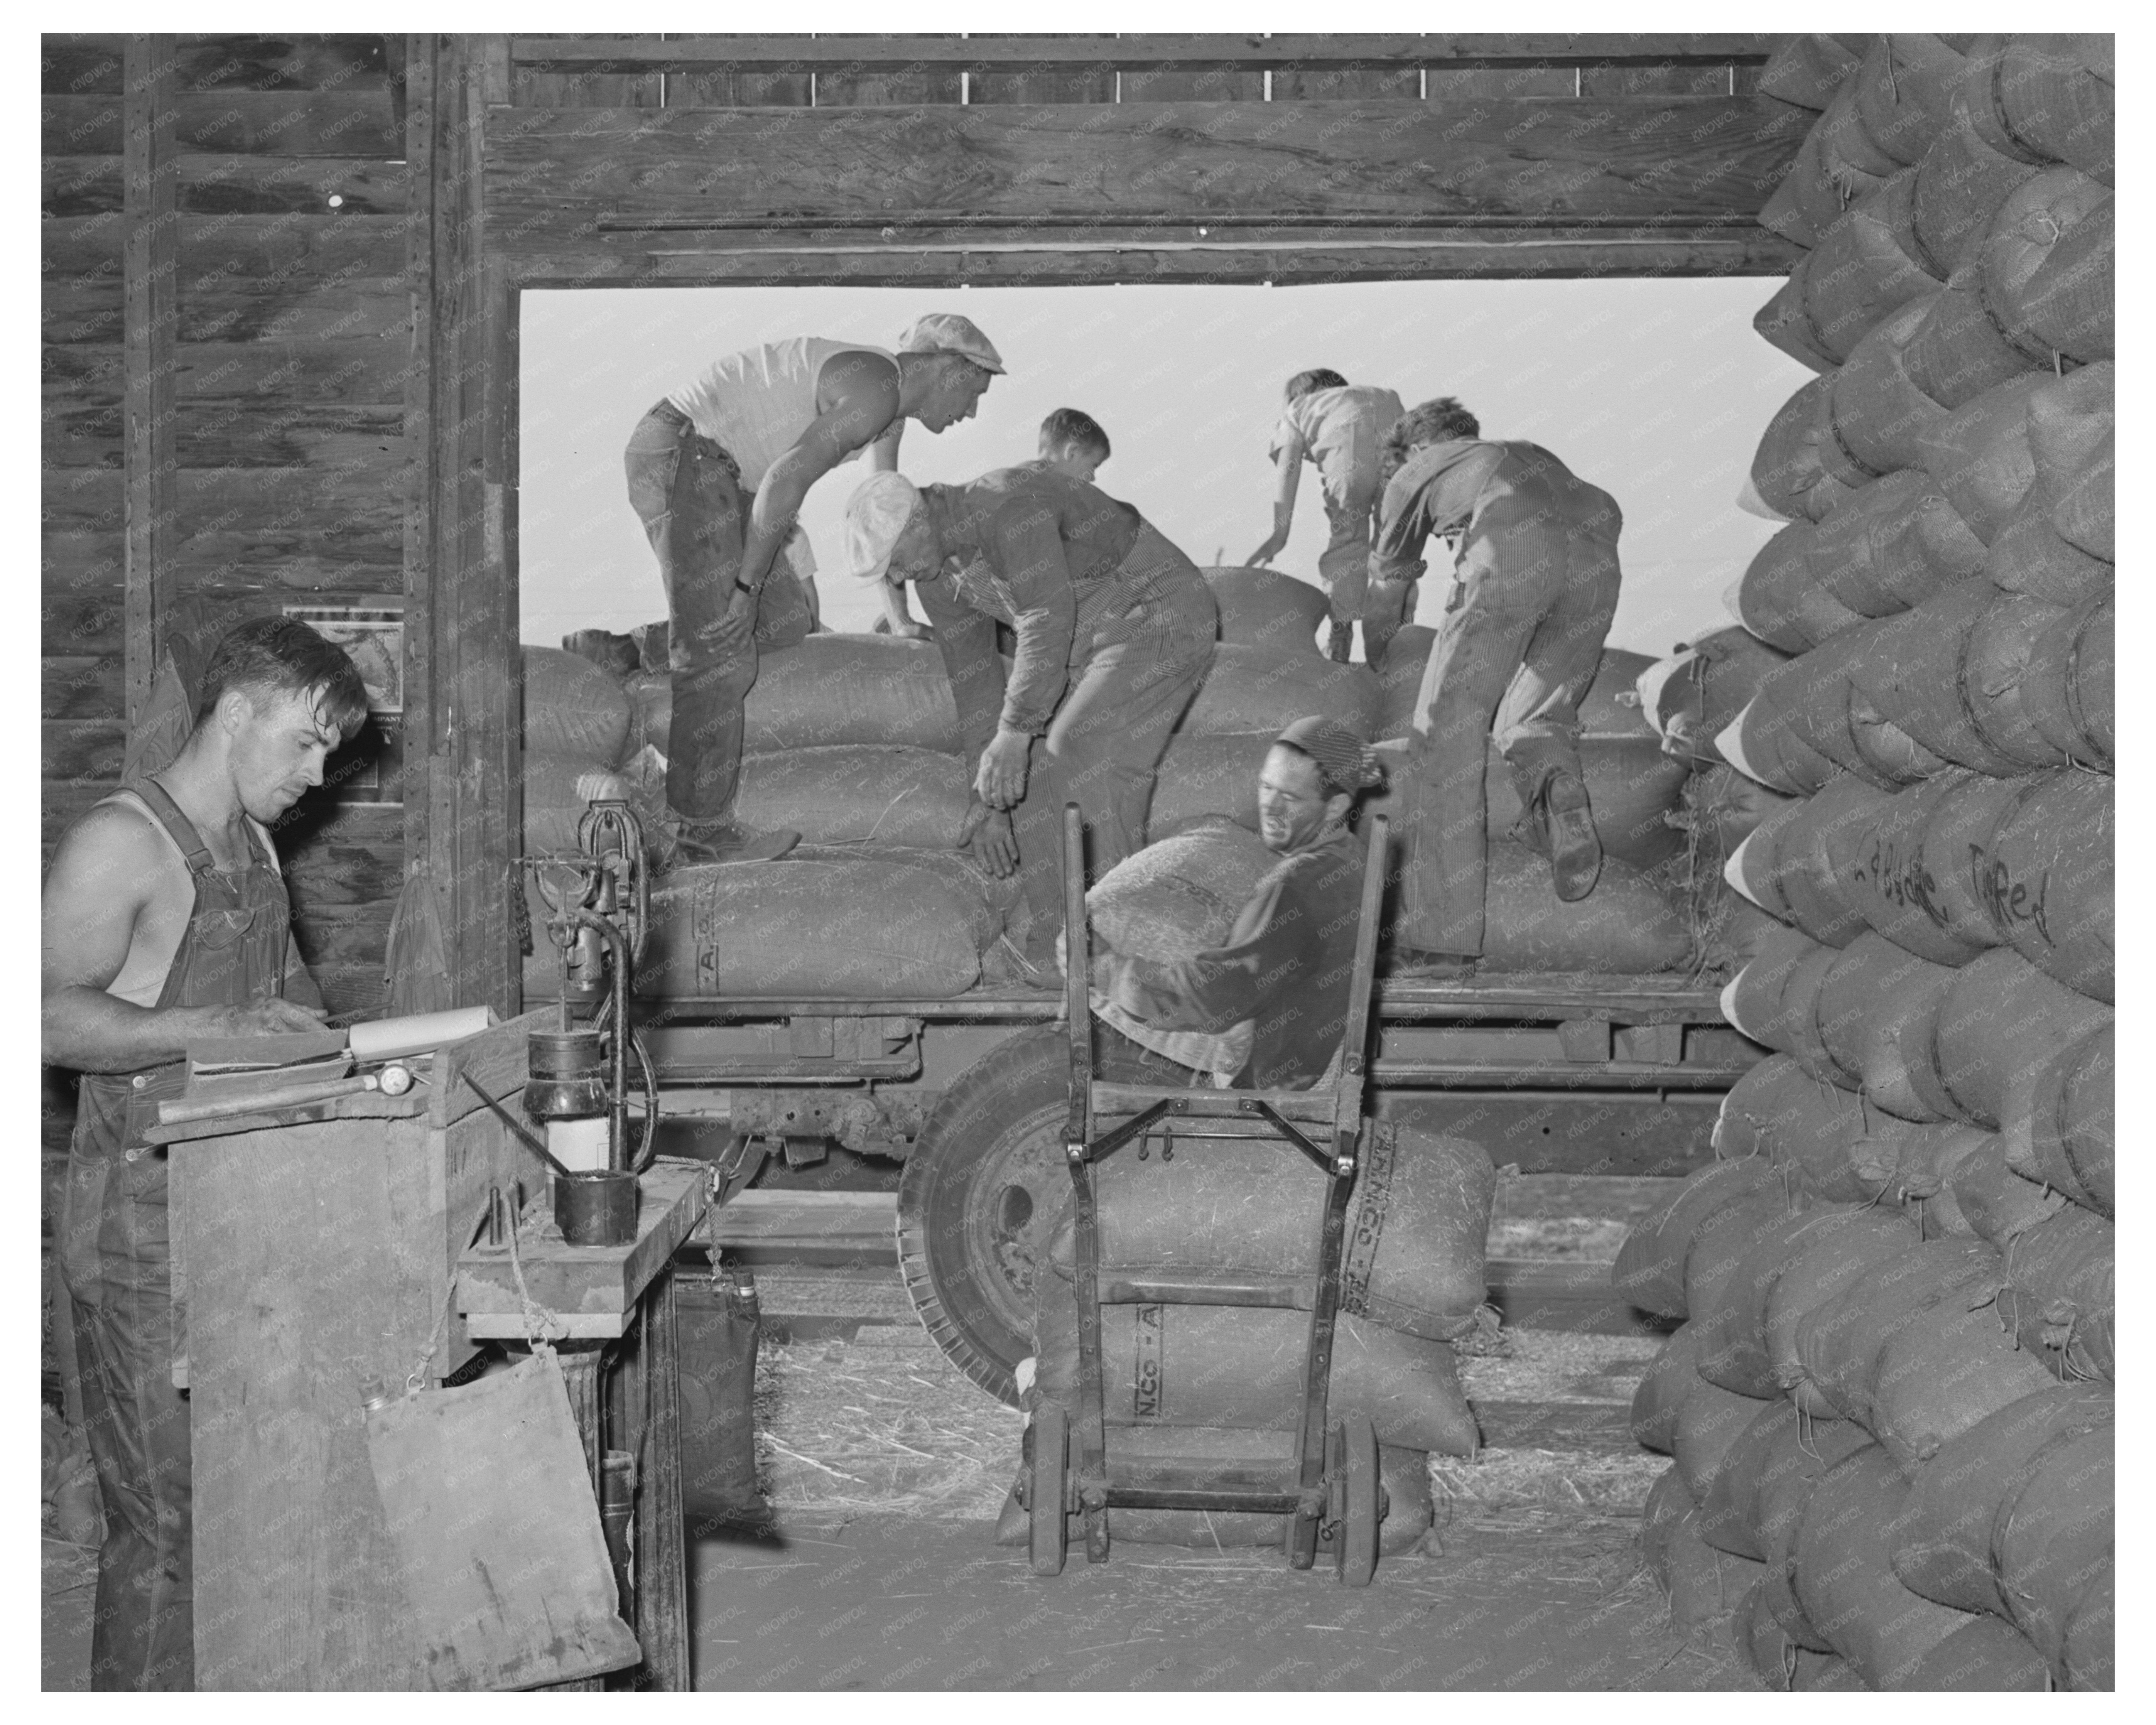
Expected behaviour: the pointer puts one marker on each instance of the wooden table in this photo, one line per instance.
(315, 1248)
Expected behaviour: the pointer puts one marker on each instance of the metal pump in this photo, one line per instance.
(597, 903)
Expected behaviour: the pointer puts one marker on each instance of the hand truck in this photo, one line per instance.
(1330, 1488)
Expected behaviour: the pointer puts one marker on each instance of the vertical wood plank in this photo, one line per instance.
(1461, 84)
(1042, 83)
(1345, 83)
(420, 52)
(1607, 81)
(150, 292)
(1211, 84)
(473, 748)
(886, 90)
(737, 90)
(662, 1596)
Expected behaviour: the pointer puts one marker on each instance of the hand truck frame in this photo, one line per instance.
(1330, 1490)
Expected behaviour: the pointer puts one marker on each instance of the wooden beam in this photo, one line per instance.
(1643, 166)
(710, 261)
(150, 290)
(698, 53)
(464, 750)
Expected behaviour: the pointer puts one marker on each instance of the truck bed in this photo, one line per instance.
(1521, 997)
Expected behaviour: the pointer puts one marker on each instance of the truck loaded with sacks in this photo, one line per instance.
(858, 990)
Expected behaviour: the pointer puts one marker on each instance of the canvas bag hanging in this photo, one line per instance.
(488, 1498)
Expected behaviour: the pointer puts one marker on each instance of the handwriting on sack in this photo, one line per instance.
(1148, 1397)
(1901, 879)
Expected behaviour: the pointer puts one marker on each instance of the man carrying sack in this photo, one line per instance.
(1283, 976)
(166, 919)
(1534, 587)
(1115, 630)
(717, 473)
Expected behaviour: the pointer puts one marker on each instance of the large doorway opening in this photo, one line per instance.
(1653, 389)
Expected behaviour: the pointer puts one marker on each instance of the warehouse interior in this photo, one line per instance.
(657, 1268)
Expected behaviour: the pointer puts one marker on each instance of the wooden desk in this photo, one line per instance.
(315, 1249)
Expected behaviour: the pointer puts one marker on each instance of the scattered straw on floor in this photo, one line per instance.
(888, 1425)
(881, 1429)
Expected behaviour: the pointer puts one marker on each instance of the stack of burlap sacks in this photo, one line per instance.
(853, 741)
(1890, 1403)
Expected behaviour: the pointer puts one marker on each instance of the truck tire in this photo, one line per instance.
(985, 1187)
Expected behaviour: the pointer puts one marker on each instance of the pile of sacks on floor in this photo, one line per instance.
(852, 741)
(1224, 1383)
(1917, 1240)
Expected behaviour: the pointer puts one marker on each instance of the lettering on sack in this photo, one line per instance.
(1148, 1396)
(2005, 900)
(1905, 882)
(1375, 1200)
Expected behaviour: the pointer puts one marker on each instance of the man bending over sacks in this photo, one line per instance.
(1287, 966)
(1114, 629)
(716, 474)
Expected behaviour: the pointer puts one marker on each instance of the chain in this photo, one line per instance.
(537, 1319)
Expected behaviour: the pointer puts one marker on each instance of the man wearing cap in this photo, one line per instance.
(1535, 585)
(717, 473)
(1114, 629)
(1285, 968)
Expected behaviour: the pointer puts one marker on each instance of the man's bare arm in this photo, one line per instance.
(100, 884)
(862, 392)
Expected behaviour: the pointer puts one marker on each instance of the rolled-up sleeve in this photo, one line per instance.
(1027, 547)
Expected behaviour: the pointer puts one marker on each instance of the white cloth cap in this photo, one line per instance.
(876, 514)
(952, 332)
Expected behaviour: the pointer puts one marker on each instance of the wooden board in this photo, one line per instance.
(1592, 164)
(303, 1285)
(690, 53)
(253, 185)
(316, 122)
(89, 65)
(715, 257)
(598, 1285)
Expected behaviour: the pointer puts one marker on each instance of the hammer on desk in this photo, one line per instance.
(392, 1080)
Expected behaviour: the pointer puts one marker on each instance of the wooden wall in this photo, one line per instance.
(292, 339)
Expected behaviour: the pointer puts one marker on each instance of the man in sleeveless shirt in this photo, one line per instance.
(717, 473)
(1114, 629)
(165, 920)
(1535, 584)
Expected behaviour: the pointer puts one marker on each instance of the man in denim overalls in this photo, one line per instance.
(166, 921)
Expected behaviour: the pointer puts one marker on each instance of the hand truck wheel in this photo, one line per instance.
(1048, 1489)
(1355, 1537)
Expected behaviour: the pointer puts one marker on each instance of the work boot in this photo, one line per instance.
(1575, 852)
(722, 842)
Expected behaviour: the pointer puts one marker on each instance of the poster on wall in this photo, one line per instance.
(368, 768)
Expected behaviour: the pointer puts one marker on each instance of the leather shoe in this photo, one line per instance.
(1575, 853)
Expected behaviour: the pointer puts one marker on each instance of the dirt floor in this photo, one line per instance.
(887, 1469)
